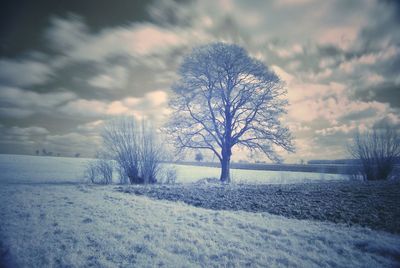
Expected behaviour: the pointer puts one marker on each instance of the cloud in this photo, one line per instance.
(340, 62)
(82, 107)
(385, 92)
(71, 143)
(93, 127)
(18, 103)
(291, 3)
(115, 78)
(71, 39)
(66, 34)
(152, 106)
(22, 138)
(23, 72)
(22, 133)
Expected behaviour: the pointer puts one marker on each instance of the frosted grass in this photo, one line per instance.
(82, 226)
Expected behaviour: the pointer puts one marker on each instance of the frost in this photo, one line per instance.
(68, 225)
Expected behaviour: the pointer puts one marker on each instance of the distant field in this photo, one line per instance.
(44, 169)
(314, 168)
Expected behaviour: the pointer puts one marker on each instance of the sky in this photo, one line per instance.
(67, 66)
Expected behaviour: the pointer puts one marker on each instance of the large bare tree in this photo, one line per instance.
(225, 98)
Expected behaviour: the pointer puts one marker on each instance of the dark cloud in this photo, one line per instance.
(385, 92)
(359, 115)
(67, 65)
(23, 22)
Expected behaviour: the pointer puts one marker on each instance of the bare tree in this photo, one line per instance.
(377, 150)
(225, 98)
(135, 149)
(100, 171)
(120, 141)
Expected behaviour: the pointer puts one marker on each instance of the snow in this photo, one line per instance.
(78, 225)
(43, 169)
(54, 221)
(194, 173)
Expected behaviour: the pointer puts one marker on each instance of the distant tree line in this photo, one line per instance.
(44, 152)
(334, 162)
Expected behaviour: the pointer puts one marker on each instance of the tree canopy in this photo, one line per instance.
(225, 98)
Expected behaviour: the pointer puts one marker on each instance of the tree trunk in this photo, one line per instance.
(225, 167)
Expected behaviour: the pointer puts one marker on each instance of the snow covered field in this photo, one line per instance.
(54, 221)
(35, 169)
(81, 226)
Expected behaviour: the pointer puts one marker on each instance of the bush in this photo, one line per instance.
(167, 175)
(135, 149)
(377, 150)
(100, 171)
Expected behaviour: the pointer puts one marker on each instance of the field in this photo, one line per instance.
(49, 217)
(43, 169)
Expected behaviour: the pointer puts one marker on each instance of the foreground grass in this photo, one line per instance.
(80, 226)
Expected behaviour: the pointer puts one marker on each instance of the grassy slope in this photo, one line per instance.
(62, 225)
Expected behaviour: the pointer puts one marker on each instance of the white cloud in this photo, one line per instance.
(157, 98)
(283, 75)
(85, 108)
(23, 72)
(91, 127)
(26, 135)
(286, 51)
(298, 91)
(291, 3)
(345, 128)
(115, 78)
(341, 36)
(65, 34)
(137, 39)
(15, 102)
(151, 106)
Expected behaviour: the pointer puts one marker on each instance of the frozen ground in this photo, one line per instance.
(371, 204)
(49, 218)
(81, 226)
(42, 169)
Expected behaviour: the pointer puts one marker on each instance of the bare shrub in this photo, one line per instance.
(135, 148)
(377, 151)
(99, 171)
(150, 154)
(120, 141)
(167, 175)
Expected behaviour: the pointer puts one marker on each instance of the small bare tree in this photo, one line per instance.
(100, 171)
(377, 150)
(225, 99)
(120, 142)
(135, 149)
